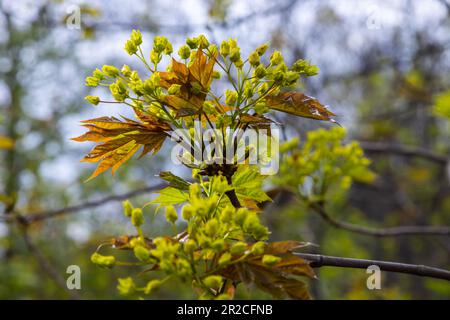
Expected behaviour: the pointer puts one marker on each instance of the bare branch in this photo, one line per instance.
(381, 232)
(402, 150)
(318, 261)
(42, 215)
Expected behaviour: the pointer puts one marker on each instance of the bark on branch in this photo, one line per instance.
(318, 261)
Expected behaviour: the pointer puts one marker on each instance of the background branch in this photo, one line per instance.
(381, 232)
(318, 261)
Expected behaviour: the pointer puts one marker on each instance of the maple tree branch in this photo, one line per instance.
(381, 232)
(318, 260)
(402, 150)
(42, 215)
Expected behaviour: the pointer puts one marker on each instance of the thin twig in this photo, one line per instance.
(42, 215)
(318, 261)
(381, 232)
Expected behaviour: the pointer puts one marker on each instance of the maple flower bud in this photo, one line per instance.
(137, 218)
(160, 44)
(224, 49)
(93, 99)
(184, 52)
(152, 285)
(227, 214)
(261, 107)
(171, 214)
(110, 71)
(239, 64)
(174, 89)
(187, 212)
(235, 55)
(292, 77)
(98, 74)
(202, 42)
(230, 97)
(238, 248)
(262, 49)
(224, 258)
(216, 74)
(218, 245)
(270, 260)
(136, 37)
(168, 49)
(103, 261)
(141, 253)
(211, 227)
(260, 72)
(254, 59)
(92, 82)
(195, 87)
(248, 90)
(126, 71)
(276, 58)
(232, 43)
(125, 286)
(192, 43)
(213, 282)
(212, 50)
(258, 248)
(155, 57)
(127, 208)
(130, 47)
(190, 246)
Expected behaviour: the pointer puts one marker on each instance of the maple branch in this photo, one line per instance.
(402, 150)
(381, 232)
(42, 215)
(318, 260)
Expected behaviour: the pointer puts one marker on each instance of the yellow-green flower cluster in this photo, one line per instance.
(326, 161)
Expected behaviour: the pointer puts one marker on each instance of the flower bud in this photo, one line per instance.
(93, 99)
(202, 42)
(262, 49)
(160, 44)
(192, 43)
(235, 55)
(270, 260)
(218, 245)
(126, 71)
(98, 74)
(174, 89)
(258, 248)
(125, 286)
(141, 253)
(213, 282)
(224, 258)
(276, 58)
(211, 227)
(136, 37)
(168, 49)
(224, 49)
(238, 248)
(187, 212)
(184, 52)
(130, 47)
(137, 217)
(190, 246)
(171, 214)
(260, 72)
(254, 59)
(216, 74)
(92, 82)
(103, 261)
(127, 208)
(230, 97)
(155, 57)
(110, 71)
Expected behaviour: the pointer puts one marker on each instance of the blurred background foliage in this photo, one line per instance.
(384, 69)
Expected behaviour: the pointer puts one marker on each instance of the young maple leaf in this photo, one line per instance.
(121, 139)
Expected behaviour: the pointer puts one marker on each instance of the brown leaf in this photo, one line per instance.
(301, 105)
(121, 139)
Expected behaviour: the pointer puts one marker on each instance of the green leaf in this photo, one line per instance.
(174, 181)
(247, 182)
(170, 196)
